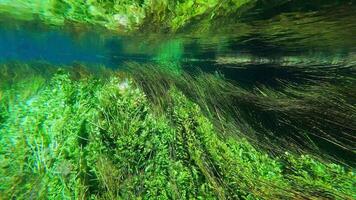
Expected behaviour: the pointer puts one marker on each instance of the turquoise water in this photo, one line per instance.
(62, 47)
(247, 59)
(293, 32)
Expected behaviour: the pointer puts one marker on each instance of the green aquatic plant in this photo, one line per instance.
(291, 116)
(84, 136)
(121, 15)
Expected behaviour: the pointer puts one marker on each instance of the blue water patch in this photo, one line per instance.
(61, 47)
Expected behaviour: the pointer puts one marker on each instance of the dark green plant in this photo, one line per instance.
(291, 116)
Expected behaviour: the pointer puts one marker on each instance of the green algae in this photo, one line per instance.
(70, 133)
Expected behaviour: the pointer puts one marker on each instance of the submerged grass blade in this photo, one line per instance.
(312, 117)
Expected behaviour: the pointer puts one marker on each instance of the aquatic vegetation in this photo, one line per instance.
(313, 116)
(124, 15)
(188, 99)
(228, 16)
(79, 135)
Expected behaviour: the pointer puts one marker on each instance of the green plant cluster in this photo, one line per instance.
(70, 134)
(121, 14)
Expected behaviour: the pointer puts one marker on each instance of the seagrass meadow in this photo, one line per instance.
(188, 99)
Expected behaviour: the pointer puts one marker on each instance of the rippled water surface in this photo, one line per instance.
(296, 36)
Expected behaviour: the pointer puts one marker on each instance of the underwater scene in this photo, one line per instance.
(177, 99)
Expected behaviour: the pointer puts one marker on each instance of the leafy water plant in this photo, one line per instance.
(293, 115)
(84, 136)
(124, 15)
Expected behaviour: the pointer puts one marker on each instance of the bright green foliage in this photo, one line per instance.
(40, 148)
(120, 14)
(86, 137)
(315, 177)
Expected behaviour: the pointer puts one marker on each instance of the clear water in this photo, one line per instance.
(319, 34)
